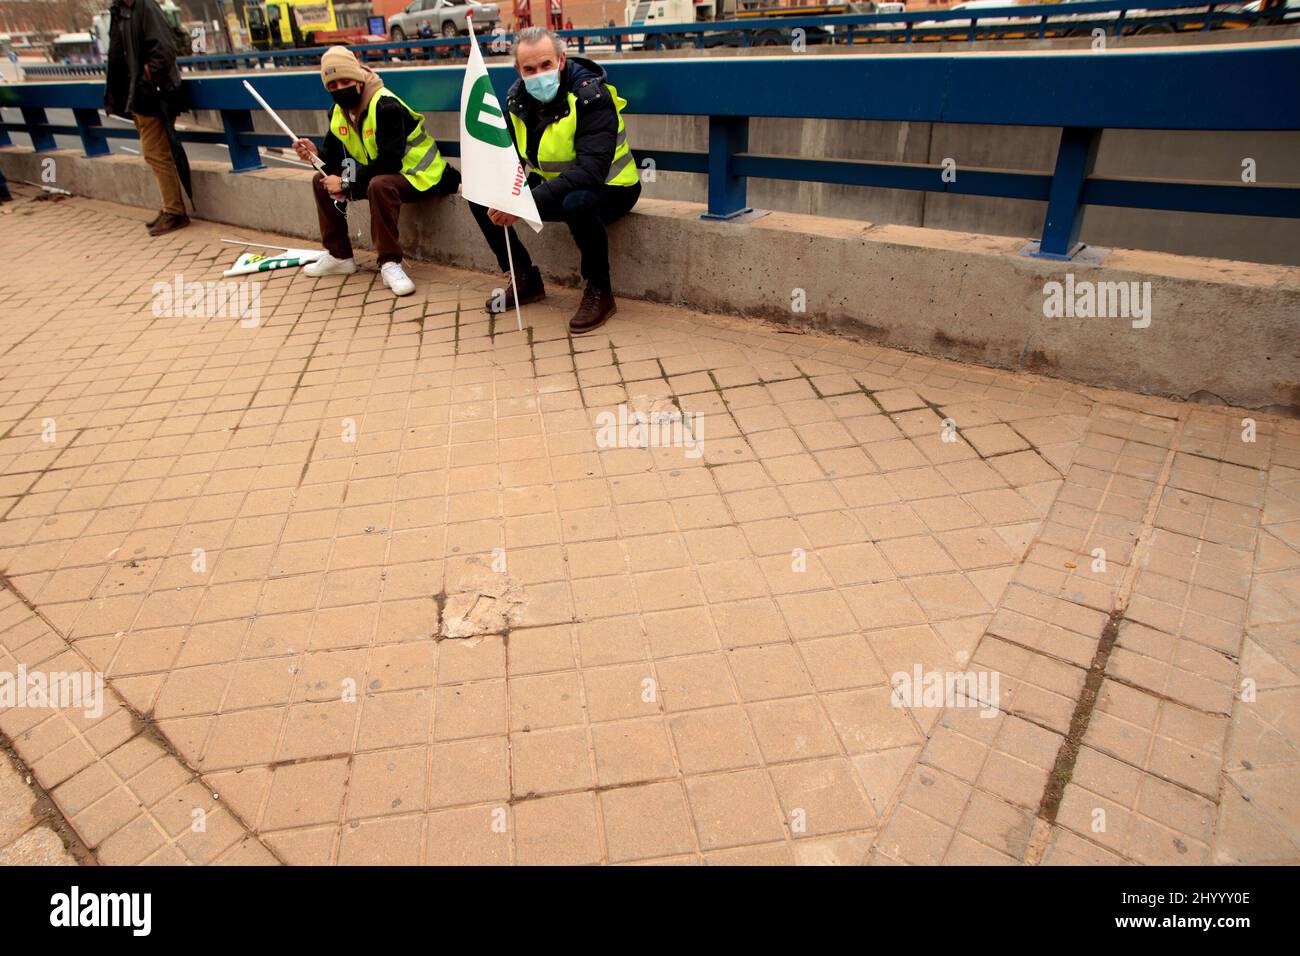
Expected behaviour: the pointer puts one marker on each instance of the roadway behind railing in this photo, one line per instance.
(1238, 87)
(1039, 21)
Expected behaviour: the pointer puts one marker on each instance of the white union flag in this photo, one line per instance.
(491, 173)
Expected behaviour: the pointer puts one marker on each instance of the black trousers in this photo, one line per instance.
(585, 211)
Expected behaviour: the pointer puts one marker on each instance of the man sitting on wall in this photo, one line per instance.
(389, 159)
(567, 124)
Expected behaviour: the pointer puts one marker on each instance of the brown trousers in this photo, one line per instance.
(157, 153)
(386, 193)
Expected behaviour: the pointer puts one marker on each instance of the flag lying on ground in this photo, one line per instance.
(250, 262)
(491, 173)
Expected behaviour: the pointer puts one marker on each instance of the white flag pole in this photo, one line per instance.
(514, 283)
(315, 160)
(339, 204)
(510, 256)
(260, 245)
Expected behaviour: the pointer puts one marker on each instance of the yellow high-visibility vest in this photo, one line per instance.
(556, 153)
(422, 164)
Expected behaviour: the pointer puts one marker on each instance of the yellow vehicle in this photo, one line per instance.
(286, 24)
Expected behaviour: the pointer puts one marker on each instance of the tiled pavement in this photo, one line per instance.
(367, 588)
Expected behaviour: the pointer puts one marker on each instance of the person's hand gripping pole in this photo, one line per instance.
(305, 149)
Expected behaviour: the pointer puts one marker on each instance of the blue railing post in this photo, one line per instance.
(1074, 161)
(242, 158)
(728, 135)
(34, 116)
(93, 141)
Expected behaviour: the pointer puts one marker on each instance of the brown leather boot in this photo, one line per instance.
(169, 222)
(531, 288)
(154, 221)
(594, 310)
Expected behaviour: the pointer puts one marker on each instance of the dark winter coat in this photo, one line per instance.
(596, 136)
(140, 36)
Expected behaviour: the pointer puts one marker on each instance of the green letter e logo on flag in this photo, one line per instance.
(483, 103)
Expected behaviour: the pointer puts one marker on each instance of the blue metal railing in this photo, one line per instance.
(1115, 17)
(1232, 88)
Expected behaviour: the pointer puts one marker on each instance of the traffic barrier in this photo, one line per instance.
(1033, 21)
(1220, 88)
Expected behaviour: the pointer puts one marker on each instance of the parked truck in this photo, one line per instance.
(290, 24)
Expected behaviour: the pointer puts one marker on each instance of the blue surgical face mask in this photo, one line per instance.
(543, 86)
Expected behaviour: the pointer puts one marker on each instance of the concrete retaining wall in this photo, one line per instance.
(1162, 155)
(1218, 329)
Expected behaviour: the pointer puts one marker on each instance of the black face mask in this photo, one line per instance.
(349, 97)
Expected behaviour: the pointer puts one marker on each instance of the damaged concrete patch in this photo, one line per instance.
(652, 408)
(482, 601)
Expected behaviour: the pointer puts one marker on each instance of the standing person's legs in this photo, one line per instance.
(157, 153)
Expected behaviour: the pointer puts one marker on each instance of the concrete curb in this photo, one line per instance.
(1219, 331)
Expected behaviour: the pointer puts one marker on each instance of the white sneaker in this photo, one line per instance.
(327, 265)
(395, 278)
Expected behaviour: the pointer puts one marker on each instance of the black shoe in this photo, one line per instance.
(594, 310)
(5, 197)
(169, 222)
(531, 288)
